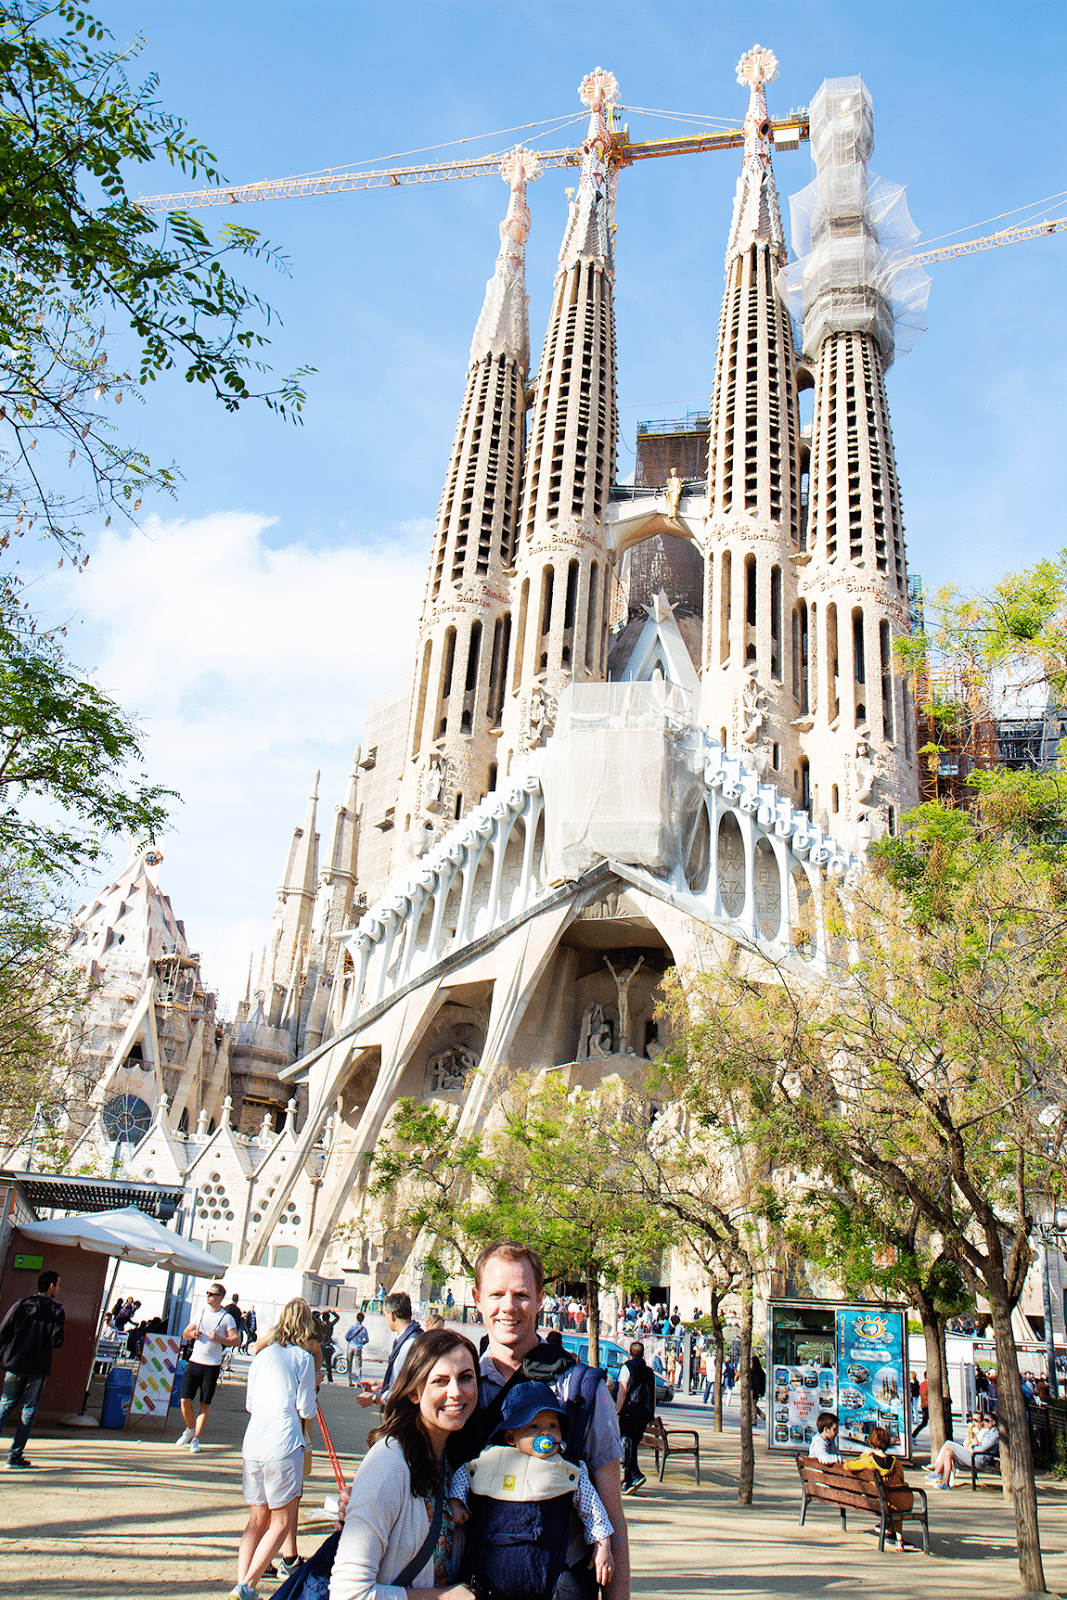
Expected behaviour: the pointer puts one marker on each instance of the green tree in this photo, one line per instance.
(68, 750)
(551, 1171)
(81, 263)
(928, 1061)
(40, 995)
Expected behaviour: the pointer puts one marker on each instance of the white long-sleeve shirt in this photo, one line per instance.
(281, 1392)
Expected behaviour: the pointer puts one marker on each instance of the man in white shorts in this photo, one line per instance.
(214, 1330)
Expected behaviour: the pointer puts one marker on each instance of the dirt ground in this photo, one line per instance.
(113, 1516)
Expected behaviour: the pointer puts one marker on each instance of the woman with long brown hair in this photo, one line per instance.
(398, 1529)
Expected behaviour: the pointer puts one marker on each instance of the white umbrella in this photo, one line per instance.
(129, 1234)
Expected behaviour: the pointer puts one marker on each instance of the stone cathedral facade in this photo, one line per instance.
(641, 722)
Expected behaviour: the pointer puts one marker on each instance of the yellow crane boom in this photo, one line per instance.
(788, 135)
(990, 241)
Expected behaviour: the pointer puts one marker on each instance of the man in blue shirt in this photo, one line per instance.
(355, 1339)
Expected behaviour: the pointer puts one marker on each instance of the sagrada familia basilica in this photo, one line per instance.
(640, 721)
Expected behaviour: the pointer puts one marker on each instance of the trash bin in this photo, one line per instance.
(118, 1392)
(176, 1388)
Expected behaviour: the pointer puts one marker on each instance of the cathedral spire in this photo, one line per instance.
(465, 633)
(504, 325)
(563, 572)
(588, 231)
(757, 218)
(295, 902)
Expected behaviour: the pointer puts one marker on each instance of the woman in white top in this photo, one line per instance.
(281, 1394)
(391, 1509)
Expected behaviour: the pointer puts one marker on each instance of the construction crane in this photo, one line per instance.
(787, 134)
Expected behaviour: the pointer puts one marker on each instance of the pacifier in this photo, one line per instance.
(543, 1444)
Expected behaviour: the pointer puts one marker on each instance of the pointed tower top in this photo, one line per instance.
(757, 218)
(588, 231)
(315, 786)
(504, 325)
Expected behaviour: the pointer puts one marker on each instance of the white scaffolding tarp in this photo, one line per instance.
(622, 777)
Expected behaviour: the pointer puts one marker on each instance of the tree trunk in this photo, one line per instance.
(717, 1335)
(936, 1379)
(744, 1482)
(946, 1394)
(592, 1294)
(1011, 1414)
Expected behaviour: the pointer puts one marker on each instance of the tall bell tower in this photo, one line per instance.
(563, 577)
(464, 642)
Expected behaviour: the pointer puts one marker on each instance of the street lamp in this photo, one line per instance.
(1050, 1233)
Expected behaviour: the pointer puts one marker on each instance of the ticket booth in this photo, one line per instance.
(848, 1357)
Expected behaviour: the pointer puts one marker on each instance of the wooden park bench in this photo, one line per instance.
(662, 1441)
(989, 1462)
(857, 1491)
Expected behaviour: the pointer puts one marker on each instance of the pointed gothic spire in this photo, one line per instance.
(757, 218)
(504, 326)
(588, 231)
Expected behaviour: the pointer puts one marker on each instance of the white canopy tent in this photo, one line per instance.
(129, 1235)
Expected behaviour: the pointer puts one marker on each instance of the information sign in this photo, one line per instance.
(871, 1375)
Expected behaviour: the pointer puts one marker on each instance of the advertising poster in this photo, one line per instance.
(872, 1380)
(797, 1397)
(155, 1376)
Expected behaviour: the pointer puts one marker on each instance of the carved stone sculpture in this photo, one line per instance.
(433, 784)
(623, 981)
(541, 716)
(672, 493)
(752, 696)
(450, 1069)
(866, 771)
(595, 1038)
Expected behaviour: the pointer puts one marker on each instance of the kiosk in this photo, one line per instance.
(849, 1357)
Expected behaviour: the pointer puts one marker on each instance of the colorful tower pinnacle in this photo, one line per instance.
(753, 471)
(563, 575)
(465, 634)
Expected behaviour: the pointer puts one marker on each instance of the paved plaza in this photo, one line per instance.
(111, 1516)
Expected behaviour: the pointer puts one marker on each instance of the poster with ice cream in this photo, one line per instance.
(155, 1376)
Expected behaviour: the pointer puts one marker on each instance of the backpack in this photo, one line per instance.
(639, 1407)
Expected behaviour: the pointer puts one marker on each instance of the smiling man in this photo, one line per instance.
(509, 1282)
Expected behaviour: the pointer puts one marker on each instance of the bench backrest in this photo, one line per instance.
(655, 1433)
(841, 1488)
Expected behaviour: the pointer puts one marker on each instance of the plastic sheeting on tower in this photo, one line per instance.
(853, 234)
(622, 778)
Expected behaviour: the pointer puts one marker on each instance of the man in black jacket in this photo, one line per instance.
(30, 1331)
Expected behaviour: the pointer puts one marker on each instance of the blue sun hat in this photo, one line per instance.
(524, 1402)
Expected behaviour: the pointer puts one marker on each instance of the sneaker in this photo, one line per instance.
(17, 1463)
(184, 1438)
(242, 1591)
(640, 1481)
(194, 1450)
(286, 1566)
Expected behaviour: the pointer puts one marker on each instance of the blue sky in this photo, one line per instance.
(251, 621)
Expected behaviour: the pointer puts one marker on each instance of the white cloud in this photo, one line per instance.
(248, 664)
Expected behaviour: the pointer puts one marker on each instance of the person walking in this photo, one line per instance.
(213, 1332)
(280, 1398)
(404, 1328)
(30, 1331)
(924, 1407)
(635, 1403)
(233, 1310)
(757, 1386)
(251, 1329)
(356, 1340)
(325, 1323)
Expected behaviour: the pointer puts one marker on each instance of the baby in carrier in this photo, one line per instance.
(521, 1493)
